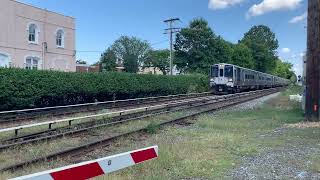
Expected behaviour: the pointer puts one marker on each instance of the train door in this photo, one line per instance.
(238, 76)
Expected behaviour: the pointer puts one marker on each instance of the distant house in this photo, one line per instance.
(34, 38)
(85, 68)
(150, 70)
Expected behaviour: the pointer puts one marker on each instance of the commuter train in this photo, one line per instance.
(229, 78)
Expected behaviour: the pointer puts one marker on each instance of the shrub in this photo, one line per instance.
(27, 89)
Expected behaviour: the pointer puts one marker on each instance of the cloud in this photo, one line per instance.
(298, 68)
(272, 5)
(222, 4)
(293, 56)
(286, 50)
(299, 18)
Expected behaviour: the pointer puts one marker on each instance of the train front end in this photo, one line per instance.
(222, 79)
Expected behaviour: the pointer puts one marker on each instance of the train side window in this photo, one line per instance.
(238, 74)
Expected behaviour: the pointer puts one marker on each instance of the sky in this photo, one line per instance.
(100, 22)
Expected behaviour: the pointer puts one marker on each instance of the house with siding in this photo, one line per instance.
(35, 38)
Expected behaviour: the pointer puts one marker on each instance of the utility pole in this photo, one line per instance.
(171, 30)
(313, 62)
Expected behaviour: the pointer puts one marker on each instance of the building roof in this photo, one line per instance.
(17, 1)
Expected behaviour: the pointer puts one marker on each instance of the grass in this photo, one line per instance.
(210, 147)
(153, 127)
(30, 151)
(105, 118)
(315, 164)
(216, 143)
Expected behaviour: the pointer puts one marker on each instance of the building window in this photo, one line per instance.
(60, 38)
(32, 63)
(4, 61)
(33, 33)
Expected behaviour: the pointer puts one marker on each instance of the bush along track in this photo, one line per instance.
(26, 89)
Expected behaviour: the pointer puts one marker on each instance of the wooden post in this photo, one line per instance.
(313, 59)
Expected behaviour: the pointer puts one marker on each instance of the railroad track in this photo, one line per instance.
(121, 117)
(203, 107)
(59, 111)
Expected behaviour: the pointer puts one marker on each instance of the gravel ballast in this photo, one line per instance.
(251, 105)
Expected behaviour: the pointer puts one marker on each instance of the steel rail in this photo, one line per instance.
(30, 138)
(145, 108)
(30, 114)
(105, 102)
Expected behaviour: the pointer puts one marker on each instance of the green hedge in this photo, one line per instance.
(21, 89)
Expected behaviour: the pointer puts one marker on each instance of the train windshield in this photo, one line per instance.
(228, 71)
(214, 71)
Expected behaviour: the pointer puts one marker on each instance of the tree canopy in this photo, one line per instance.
(197, 47)
(194, 47)
(158, 59)
(80, 61)
(108, 60)
(284, 69)
(263, 44)
(131, 52)
(242, 56)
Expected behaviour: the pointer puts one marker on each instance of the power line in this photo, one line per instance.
(171, 30)
(89, 51)
(160, 42)
(97, 51)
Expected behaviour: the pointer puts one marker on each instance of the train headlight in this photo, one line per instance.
(211, 79)
(230, 80)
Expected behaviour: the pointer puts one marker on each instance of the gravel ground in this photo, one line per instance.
(251, 104)
(290, 160)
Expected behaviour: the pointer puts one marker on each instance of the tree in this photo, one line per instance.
(130, 63)
(194, 47)
(197, 48)
(242, 56)
(108, 60)
(284, 70)
(294, 78)
(131, 52)
(263, 44)
(223, 51)
(159, 59)
(80, 61)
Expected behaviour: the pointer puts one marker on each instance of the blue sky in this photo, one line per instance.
(100, 22)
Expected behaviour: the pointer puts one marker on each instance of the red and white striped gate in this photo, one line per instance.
(97, 167)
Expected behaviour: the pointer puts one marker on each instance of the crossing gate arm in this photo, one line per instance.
(91, 169)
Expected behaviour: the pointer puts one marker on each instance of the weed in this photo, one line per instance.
(152, 128)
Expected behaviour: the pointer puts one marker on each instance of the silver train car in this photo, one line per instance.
(229, 78)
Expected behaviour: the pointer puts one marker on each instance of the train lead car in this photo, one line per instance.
(229, 78)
